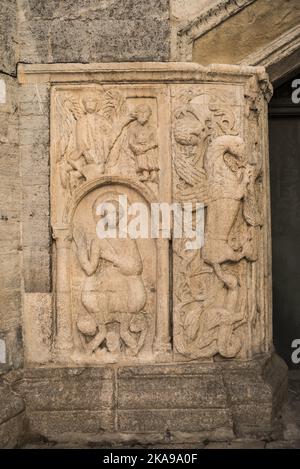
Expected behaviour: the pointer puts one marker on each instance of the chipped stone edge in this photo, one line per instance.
(137, 72)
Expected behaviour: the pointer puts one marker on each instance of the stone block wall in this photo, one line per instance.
(93, 31)
(10, 229)
(161, 404)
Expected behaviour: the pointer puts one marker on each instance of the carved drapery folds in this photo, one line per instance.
(195, 141)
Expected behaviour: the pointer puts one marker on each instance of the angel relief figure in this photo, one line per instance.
(225, 183)
(89, 128)
(142, 142)
(113, 293)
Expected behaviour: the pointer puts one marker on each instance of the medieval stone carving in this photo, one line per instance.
(185, 143)
(107, 145)
(113, 292)
(143, 144)
(212, 167)
(113, 285)
(101, 134)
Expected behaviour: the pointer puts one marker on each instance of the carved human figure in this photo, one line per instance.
(142, 141)
(230, 183)
(87, 159)
(214, 170)
(90, 127)
(92, 138)
(192, 136)
(113, 291)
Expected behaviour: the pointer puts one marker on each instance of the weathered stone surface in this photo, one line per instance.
(10, 197)
(8, 36)
(184, 11)
(14, 344)
(35, 160)
(83, 161)
(259, 26)
(256, 382)
(10, 278)
(34, 154)
(12, 432)
(11, 405)
(35, 214)
(12, 418)
(10, 309)
(36, 269)
(169, 392)
(38, 325)
(205, 369)
(50, 424)
(181, 420)
(148, 400)
(71, 389)
(94, 32)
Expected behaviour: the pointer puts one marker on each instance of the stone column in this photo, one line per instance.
(64, 341)
(162, 332)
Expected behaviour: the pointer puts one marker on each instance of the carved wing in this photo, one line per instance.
(113, 105)
(195, 189)
(68, 110)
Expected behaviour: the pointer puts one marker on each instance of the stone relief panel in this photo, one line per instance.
(102, 130)
(131, 301)
(213, 166)
(112, 295)
(113, 286)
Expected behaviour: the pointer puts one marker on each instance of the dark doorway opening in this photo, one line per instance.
(284, 138)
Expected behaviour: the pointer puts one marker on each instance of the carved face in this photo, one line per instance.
(142, 114)
(90, 105)
(143, 117)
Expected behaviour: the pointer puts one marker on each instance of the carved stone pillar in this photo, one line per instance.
(180, 333)
(162, 334)
(63, 324)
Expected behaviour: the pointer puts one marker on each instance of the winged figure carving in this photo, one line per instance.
(89, 126)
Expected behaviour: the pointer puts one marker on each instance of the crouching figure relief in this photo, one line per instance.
(113, 293)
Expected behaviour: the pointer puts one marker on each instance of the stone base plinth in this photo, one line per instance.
(183, 403)
(12, 417)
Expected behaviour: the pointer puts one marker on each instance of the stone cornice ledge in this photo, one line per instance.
(136, 72)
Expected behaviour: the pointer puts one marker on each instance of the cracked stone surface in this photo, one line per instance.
(290, 437)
